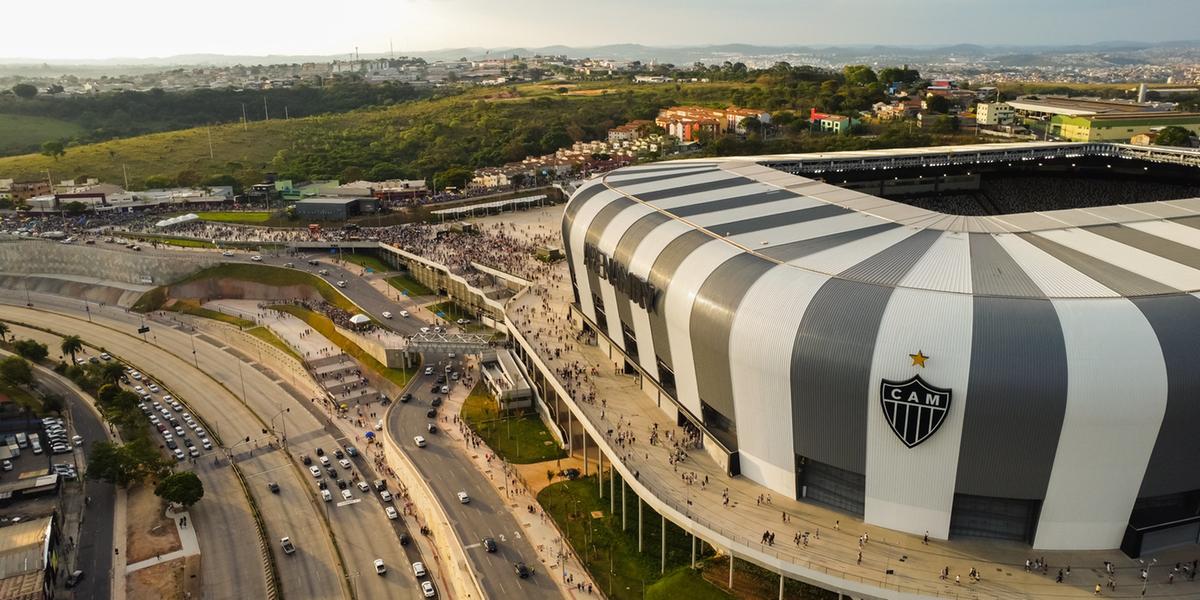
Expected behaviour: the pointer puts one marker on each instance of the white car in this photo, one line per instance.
(419, 569)
(325, 461)
(207, 444)
(385, 495)
(179, 454)
(227, 253)
(346, 494)
(326, 496)
(363, 486)
(345, 463)
(386, 314)
(380, 568)
(464, 498)
(315, 470)
(256, 258)
(429, 370)
(419, 441)
(154, 388)
(341, 283)
(391, 513)
(404, 313)
(424, 330)
(105, 356)
(427, 589)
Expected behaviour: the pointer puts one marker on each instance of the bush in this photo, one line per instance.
(31, 350)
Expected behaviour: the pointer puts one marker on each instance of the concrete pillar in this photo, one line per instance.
(612, 497)
(570, 434)
(781, 586)
(693, 551)
(622, 505)
(600, 470)
(663, 539)
(731, 570)
(584, 435)
(639, 501)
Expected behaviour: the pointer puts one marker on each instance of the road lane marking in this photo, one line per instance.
(349, 502)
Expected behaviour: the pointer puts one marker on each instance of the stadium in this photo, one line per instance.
(994, 341)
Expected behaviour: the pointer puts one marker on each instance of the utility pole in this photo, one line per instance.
(125, 172)
(208, 130)
(285, 113)
(243, 116)
(266, 116)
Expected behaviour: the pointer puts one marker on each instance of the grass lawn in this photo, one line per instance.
(453, 312)
(192, 307)
(24, 133)
(612, 555)
(519, 439)
(21, 397)
(276, 276)
(269, 337)
(325, 327)
(237, 216)
(404, 283)
(366, 260)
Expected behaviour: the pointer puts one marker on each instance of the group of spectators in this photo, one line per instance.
(1020, 194)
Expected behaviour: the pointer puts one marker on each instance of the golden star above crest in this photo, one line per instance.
(919, 359)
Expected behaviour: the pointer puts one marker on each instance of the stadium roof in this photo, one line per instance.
(1144, 249)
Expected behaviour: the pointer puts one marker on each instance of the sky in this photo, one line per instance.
(91, 29)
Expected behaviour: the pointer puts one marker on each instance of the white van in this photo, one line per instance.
(22, 440)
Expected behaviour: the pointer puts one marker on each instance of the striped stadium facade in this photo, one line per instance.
(774, 310)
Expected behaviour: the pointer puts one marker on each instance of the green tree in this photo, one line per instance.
(859, 74)
(53, 403)
(74, 208)
(4, 331)
(71, 344)
(110, 372)
(16, 371)
(25, 91)
(937, 104)
(53, 149)
(154, 182)
(183, 488)
(453, 177)
(31, 350)
(111, 462)
(1173, 135)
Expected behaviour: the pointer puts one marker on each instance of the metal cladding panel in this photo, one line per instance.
(613, 233)
(1018, 386)
(912, 489)
(995, 273)
(582, 196)
(634, 235)
(1126, 283)
(595, 229)
(843, 250)
(662, 276)
(799, 249)
(1158, 246)
(726, 181)
(1193, 222)
(1176, 322)
(890, 266)
(626, 254)
(831, 372)
(945, 267)
(1055, 278)
(608, 294)
(760, 353)
(1116, 398)
(624, 177)
(575, 244)
(782, 227)
(660, 185)
(678, 165)
(678, 300)
(761, 195)
(712, 317)
(714, 220)
(686, 201)
(1170, 230)
(1173, 275)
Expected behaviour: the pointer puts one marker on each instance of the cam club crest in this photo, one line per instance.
(913, 408)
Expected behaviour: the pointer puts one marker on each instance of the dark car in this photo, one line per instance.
(404, 539)
(431, 427)
(341, 483)
(435, 388)
(338, 454)
(320, 452)
(431, 413)
(523, 571)
(306, 459)
(313, 262)
(489, 544)
(571, 474)
(437, 401)
(331, 471)
(274, 487)
(322, 485)
(351, 450)
(74, 578)
(441, 379)
(405, 397)
(380, 484)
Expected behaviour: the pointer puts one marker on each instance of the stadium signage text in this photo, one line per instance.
(639, 290)
(913, 408)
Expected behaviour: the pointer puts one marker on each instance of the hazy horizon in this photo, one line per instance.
(138, 29)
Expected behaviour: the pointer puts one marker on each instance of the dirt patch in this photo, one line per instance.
(594, 92)
(534, 474)
(210, 289)
(179, 578)
(150, 533)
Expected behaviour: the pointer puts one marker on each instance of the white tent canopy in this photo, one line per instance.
(181, 219)
(360, 319)
(486, 206)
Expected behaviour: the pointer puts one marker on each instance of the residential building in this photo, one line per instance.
(993, 113)
(627, 132)
(1119, 127)
(827, 123)
(904, 108)
(24, 190)
(686, 123)
(30, 559)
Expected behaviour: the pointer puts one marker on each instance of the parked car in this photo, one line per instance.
(418, 569)
(288, 546)
(380, 568)
(391, 513)
(428, 590)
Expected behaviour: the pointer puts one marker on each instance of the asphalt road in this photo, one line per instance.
(363, 531)
(94, 551)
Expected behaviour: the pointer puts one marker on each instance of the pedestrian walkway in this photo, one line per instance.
(187, 539)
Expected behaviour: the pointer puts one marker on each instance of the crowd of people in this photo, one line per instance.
(1019, 194)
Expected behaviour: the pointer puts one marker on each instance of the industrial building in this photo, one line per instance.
(334, 209)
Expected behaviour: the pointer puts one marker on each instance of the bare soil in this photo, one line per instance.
(174, 579)
(149, 533)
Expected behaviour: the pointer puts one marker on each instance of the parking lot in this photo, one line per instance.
(182, 435)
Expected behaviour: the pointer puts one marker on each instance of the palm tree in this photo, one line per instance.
(3, 332)
(70, 345)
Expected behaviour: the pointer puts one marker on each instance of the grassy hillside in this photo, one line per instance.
(20, 133)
